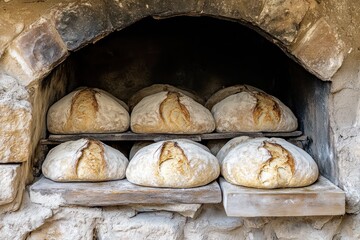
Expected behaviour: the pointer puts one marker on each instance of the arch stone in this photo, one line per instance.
(67, 27)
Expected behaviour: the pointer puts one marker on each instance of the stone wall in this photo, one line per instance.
(322, 36)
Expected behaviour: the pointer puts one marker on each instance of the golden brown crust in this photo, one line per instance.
(156, 88)
(266, 111)
(172, 151)
(280, 165)
(91, 164)
(83, 110)
(173, 112)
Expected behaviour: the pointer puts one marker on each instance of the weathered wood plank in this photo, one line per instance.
(321, 198)
(213, 136)
(121, 192)
(130, 136)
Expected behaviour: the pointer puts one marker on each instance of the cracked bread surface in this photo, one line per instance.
(156, 88)
(269, 163)
(88, 110)
(243, 108)
(175, 164)
(171, 112)
(84, 160)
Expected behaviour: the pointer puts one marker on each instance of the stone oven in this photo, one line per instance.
(304, 52)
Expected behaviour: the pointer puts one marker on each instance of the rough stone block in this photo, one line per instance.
(213, 223)
(69, 223)
(15, 122)
(9, 182)
(160, 225)
(305, 228)
(346, 115)
(38, 50)
(81, 23)
(348, 155)
(281, 18)
(320, 50)
(124, 13)
(235, 9)
(17, 225)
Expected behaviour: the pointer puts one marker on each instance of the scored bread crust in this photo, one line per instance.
(269, 163)
(156, 88)
(243, 108)
(171, 112)
(175, 164)
(88, 110)
(84, 160)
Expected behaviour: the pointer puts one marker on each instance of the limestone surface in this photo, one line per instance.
(9, 182)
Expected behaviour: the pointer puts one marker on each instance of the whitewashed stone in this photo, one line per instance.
(186, 210)
(304, 228)
(350, 228)
(348, 149)
(17, 225)
(346, 115)
(69, 223)
(157, 226)
(9, 182)
(213, 223)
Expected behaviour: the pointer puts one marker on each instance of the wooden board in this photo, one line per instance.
(120, 192)
(321, 198)
(130, 136)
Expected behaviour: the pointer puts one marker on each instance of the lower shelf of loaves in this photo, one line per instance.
(320, 199)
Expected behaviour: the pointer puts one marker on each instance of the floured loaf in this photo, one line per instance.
(243, 108)
(84, 160)
(88, 110)
(176, 164)
(171, 112)
(268, 163)
(156, 88)
(227, 147)
(136, 147)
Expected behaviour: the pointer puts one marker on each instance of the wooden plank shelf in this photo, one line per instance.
(320, 199)
(130, 136)
(120, 192)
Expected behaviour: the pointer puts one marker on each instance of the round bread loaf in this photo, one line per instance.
(155, 88)
(268, 163)
(88, 110)
(176, 164)
(227, 147)
(244, 108)
(84, 160)
(171, 112)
